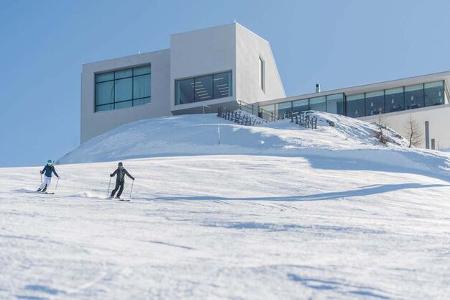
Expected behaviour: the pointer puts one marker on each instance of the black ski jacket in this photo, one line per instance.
(48, 170)
(121, 172)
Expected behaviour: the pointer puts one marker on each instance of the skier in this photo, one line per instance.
(48, 170)
(120, 180)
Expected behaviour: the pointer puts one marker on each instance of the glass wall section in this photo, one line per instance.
(184, 91)
(300, 105)
(335, 104)
(222, 85)
(355, 106)
(374, 103)
(414, 97)
(434, 93)
(122, 88)
(318, 103)
(394, 100)
(283, 108)
(203, 88)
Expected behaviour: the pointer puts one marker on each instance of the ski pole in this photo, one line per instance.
(132, 183)
(109, 185)
(57, 181)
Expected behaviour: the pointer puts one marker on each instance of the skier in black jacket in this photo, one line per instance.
(48, 170)
(120, 180)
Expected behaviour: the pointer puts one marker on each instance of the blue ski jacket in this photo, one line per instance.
(48, 170)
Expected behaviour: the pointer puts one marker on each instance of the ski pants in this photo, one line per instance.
(45, 183)
(119, 186)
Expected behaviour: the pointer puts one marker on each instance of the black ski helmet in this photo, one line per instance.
(120, 164)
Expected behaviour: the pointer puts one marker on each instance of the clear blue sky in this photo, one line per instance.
(337, 43)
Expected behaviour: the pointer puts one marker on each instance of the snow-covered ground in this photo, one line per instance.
(299, 214)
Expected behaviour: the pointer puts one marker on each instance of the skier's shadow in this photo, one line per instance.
(363, 191)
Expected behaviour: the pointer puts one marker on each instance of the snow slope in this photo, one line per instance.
(350, 141)
(324, 214)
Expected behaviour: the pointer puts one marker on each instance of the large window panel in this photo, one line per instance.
(222, 85)
(141, 86)
(434, 93)
(414, 97)
(284, 107)
(204, 88)
(355, 106)
(300, 105)
(394, 99)
(123, 89)
(141, 70)
(318, 103)
(184, 91)
(125, 104)
(335, 104)
(123, 74)
(104, 77)
(374, 103)
(104, 92)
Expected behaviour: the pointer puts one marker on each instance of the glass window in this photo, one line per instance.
(141, 86)
(104, 77)
(355, 106)
(125, 104)
(104, 92)
(318, 103)
(394, 100)
(184, 91)
(116, 88)
(374, 103)
(123, 74)
(335, 104)
(414, 96)
(123, 89)
(300, 105)
(284, 107)
(434, 93)
(141, 70)
(222, 85)
(104, 107)
(203, 88)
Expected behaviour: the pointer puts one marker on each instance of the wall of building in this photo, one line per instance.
(249, 48)
(437, 116)
(94, 123)
(202, 52)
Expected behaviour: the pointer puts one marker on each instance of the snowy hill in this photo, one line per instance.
(273, 212)
(349, 143)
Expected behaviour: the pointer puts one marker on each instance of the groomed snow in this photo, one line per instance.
(329, 217)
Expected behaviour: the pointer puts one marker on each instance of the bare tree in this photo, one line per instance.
(414, 134)
(380, 134)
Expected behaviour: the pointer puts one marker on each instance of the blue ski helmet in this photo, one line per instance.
(49, 162)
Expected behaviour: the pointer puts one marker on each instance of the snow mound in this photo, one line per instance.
(348, 140)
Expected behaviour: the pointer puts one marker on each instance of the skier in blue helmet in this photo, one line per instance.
(48, 170)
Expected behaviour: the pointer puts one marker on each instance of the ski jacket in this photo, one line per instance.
(121, 172)
(48, 170)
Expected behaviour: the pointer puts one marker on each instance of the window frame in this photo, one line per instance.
(229, 74)
(114, 81)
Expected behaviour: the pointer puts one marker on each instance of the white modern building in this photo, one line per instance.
(201, 70)
(205, 69)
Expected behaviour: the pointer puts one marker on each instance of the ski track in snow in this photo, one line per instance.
(229, 226)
